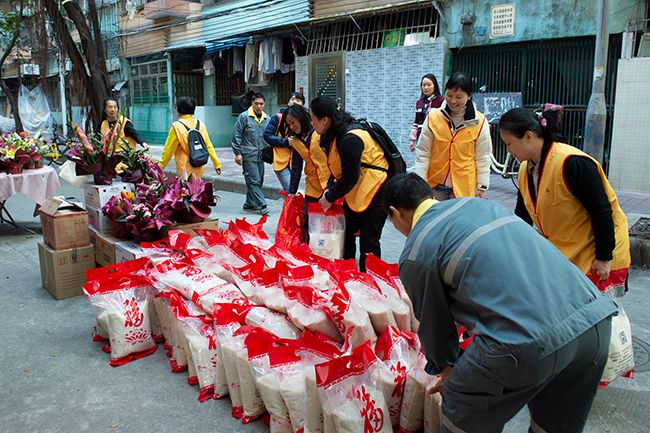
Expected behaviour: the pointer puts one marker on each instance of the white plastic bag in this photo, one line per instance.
(327, 230)
(620, 360)
(67, 172)
(34, 110)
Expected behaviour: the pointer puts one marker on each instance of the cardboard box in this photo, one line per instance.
(64, 224)
(96, 196)
(98, 220)
(189, 228)
(128, 250)
(63, 272)
(104, 247)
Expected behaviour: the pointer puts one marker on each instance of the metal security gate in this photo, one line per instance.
(554, 71)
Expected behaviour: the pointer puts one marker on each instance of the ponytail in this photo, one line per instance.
(324, 106)
(546, 124)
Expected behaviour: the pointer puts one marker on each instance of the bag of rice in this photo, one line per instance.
(273, 322)
(199, 332)
(252, 404)
(307, 312)
(351, 319)
(121, 304)
(181, 355)
(384, 275)
(411, 418)
(249, 233)
(253, 279)
(166, 317)
(326, 230)
(620, 359)
(432, 412)
(223, 255)
(365, 292)
(398, 351)
(350, 394)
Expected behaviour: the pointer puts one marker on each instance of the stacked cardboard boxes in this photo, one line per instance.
(65, 252)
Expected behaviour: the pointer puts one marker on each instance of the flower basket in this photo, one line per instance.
(148, 236)
(119, 230)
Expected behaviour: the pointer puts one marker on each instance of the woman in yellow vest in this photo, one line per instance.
(176, 144)
(564, 192)
(112, 119)
(275, 135)
(359, 170)
(306, 150)
(454, 148)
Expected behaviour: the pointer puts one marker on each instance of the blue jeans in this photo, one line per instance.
(284, 176)
(254, 177)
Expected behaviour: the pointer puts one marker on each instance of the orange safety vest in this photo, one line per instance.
(281, 155)
(105, 128)
(454, 154)
(317, 173)
(563, 220)
(182, 154)
(370, 180)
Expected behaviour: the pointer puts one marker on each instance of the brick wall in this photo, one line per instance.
(383, 85)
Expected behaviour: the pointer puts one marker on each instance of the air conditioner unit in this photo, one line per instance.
(644, 46)
(30, 69)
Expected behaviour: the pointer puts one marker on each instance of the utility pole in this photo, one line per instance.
(594, 142)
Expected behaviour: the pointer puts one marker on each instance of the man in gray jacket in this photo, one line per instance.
(247, 144)
(541, 328)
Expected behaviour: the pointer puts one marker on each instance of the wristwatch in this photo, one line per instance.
(482, 187)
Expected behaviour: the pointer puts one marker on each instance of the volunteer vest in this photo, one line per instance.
(317, 173)
(563, 220)
(105, 128)
(453, 154)
(281, 155)
(370, 179)
(182, 154)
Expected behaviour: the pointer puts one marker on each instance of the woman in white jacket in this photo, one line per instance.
(453, 152)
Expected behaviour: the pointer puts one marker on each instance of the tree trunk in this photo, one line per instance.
(13, 101)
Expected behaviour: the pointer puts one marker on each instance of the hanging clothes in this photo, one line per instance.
(250, 67)
(288, 58)
(238, 59)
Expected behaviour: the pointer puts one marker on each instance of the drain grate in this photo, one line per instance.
(641, 228)
(641, 354)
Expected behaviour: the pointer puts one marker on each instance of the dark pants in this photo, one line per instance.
(485, 391)
(369, 224)
(305, 218)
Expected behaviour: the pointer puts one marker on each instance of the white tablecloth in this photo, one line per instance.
(39, 184)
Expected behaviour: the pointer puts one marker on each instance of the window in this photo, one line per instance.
(149, 83)
(326, 77)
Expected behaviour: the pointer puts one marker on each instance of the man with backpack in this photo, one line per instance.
(247, 145)
(361, 158)
(189, 143)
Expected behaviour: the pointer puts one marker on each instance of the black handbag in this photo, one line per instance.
(267, 155)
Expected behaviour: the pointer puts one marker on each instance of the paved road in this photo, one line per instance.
(54, 379)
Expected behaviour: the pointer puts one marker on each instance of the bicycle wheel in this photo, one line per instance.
(513, 172)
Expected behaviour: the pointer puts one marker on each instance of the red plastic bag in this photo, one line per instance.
(289, 231)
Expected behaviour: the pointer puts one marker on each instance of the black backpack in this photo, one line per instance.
(196, 144)
(396, 163)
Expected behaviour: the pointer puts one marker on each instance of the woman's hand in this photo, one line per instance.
(601, 269)
(218, 170)
(324, 203)
(239, 159)
(480, 193)
(412, 145)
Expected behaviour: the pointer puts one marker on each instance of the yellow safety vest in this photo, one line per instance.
(281, 155)
(563, 220)
(317, 173)
(453, 154)
(370, 180)
(120, 121)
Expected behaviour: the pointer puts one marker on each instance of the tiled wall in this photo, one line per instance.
(630, 154)
(382, 85)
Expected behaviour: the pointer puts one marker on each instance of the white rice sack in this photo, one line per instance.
(391, 382)
(178, 361)
(224, 257)
(620, 358)
(432, 412)
(276, 323)
(268, 386)
(203, 349)
(313, 406)
(306, 310)
(226, 293)
(366, 293)
(294, 392)
(228, 352)
(326, 231)
(253, 406)
(412, 410)
(166, 318)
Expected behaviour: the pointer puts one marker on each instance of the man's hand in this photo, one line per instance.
(601, 269)
(324, 203)
(239, 159)
(412, 145)
(436, 382)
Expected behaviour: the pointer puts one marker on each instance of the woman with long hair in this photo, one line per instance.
(359, 170)
(453, 152)
(430, 98)
(113, 119)
(564, 192)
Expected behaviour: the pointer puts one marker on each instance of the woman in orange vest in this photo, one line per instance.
(177, 146)
(359, 170)
(564, 192)
(129, 135)
(305, 150)
(275, 135)
(453, 152)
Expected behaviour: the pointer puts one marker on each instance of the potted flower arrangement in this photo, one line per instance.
(190, 199)
(19, 152)
(137, 167)
(97, 155)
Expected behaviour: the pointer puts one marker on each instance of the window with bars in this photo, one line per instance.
(189, 84)
(149, 83)
(286, 85)
(227, 82)
(368, 32)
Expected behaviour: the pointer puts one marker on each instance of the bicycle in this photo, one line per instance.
(509, 169)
